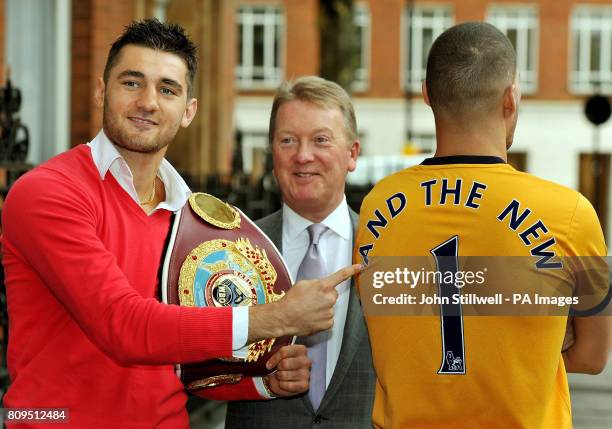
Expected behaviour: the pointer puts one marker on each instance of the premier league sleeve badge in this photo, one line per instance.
(217, 257)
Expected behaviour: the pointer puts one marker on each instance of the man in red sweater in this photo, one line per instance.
(83, 237)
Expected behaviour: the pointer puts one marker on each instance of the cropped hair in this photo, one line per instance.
(469, 66)
(153, 34)
(319, 91)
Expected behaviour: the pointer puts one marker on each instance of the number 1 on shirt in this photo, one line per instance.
(451, 315)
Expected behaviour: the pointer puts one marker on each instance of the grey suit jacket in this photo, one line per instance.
(347, 403)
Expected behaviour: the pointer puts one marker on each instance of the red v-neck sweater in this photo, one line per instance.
(86, 330)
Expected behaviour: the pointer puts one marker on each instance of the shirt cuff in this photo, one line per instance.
(262, 389)
(240, 331)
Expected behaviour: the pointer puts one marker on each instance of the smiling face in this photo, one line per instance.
(145, 99)
(312, 157)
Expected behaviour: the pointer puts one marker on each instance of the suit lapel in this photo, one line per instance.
(273, 227)
(354, 329)
(354, 332)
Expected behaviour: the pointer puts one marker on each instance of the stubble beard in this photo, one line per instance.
(120, 136)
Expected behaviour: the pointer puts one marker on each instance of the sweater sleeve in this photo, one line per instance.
(50, 229)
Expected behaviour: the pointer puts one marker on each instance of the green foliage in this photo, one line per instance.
(339, 44)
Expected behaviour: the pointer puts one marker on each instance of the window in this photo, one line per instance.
(423, 25)
(259, 47)
(362, 34)
(520, 24)
(591, 32)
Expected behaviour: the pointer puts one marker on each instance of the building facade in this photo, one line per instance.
(564, 51)
(56, 49)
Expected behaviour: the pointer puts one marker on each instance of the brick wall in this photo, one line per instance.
(554, 45)
(385, 30)
(387, 46)
(302, 48)
(81, 73)
(553, 49)
(95, 25)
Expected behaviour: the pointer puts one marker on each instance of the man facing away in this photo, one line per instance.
(467, 371)
(314, 142)
(83, 239)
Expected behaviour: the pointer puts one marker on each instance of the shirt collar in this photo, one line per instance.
(177, 190)
(294, 224)
(463, 159)
(105, 155)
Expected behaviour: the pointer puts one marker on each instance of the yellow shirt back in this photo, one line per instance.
(509, 371)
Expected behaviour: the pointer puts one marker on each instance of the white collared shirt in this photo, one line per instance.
(107, 158)
(336, 248)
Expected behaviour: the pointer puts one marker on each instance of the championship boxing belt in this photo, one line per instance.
(217, 257)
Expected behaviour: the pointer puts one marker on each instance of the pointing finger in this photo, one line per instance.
(341, 275)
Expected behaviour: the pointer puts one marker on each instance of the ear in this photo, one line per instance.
(189, 114)
(99, 93)
(511, 100)
(354, 153)
(425, 94)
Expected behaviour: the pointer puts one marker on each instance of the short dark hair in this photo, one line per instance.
(166, 37)
(468, 68)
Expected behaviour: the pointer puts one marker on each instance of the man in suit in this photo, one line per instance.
(314, 142)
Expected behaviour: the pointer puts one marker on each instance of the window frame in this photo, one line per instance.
(361, 81)
(273, 22)
(411, 50)
(584, 21)
(522, 18)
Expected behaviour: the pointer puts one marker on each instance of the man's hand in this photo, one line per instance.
(307, 308)
(588, 353)
(292, 371)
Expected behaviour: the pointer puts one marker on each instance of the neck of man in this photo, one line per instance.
(144, 168)
(482, 137)
(316, 214)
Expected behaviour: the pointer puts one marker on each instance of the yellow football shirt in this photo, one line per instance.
(505, 371)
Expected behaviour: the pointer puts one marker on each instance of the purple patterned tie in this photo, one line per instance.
(313, 267)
